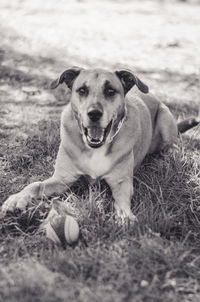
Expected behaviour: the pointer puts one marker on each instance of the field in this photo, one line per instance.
(156, 260)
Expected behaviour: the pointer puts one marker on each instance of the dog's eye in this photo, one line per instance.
(83, 91)
(109, 92)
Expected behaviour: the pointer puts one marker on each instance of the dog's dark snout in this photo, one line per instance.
(95, 115)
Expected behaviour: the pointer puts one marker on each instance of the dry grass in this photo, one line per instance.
(156, 260)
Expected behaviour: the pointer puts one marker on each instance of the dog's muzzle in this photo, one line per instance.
(93, 134)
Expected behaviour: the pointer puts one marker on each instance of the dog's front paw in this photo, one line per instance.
(16, 201)
(125, 215)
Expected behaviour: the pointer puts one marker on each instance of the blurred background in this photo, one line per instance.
(160, 40)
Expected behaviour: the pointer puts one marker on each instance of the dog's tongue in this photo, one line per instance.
(95, 133)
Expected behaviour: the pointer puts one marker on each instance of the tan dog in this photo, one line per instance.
(105, 133)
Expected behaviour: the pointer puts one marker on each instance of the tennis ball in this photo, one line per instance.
(62, 229)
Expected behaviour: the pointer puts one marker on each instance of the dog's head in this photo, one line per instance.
(98, 100)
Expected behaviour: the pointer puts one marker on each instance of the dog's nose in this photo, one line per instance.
(95, 115)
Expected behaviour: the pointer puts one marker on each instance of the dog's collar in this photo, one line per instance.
(119, 126)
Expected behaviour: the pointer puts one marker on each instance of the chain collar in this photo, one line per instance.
(119, 126)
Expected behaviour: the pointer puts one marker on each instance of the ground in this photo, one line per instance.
(155, 260)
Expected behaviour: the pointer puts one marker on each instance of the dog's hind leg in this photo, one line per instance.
(165, 132)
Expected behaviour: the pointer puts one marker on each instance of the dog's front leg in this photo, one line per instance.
(121, 184)
(36, 190)
(122, 192)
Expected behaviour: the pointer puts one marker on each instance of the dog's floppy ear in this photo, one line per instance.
(68, 76)
(128, 80)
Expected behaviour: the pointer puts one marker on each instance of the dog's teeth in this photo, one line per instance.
(94, 140)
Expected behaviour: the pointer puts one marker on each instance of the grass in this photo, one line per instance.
(155, 260)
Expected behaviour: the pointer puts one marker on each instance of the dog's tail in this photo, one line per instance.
(188, 124)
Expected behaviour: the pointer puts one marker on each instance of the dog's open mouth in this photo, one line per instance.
(96, 136)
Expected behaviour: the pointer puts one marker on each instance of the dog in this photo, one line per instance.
(107, 129)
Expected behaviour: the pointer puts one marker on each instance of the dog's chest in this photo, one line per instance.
(97, 163)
